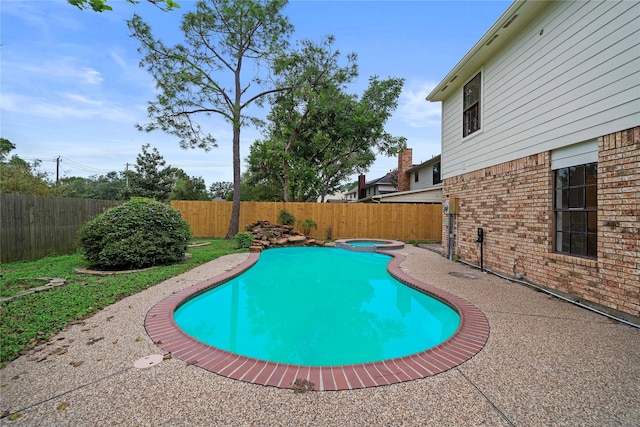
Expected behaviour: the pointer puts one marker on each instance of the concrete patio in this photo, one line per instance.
(546, 362)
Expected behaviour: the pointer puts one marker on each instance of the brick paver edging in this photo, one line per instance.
(469, 339)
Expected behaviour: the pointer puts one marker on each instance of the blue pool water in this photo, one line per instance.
(317, 307)
(366, 242)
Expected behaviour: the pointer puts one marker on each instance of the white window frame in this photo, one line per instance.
(481, 104)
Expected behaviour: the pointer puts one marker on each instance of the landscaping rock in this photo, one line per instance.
(268, 235)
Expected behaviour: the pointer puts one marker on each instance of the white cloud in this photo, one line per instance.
(68, 106)
(64, 68)
(414, 109)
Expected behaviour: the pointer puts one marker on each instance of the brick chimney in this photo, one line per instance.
(361, 184)
(405, 161)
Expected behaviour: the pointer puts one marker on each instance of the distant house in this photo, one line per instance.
(367, 190)
(420, 183)
(541, 149)
(351, 195)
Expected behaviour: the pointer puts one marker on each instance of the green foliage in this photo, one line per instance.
(151, 177)
(31, 319)
(320, 135)
(221, 189)
(286, 218)
(18, 176)
(6, 147)
(137, 234)
(307, 225)
(102, 6)
(189, 188)
(111, 186)
(244, 239)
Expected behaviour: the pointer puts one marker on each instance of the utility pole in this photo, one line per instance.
(57, 173)
(126, 174)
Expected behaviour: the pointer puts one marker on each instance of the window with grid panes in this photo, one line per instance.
(436, 173)
(471, 106)
(576, 210)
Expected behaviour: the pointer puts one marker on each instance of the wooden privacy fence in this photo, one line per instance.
(348, 220)
(33, 227)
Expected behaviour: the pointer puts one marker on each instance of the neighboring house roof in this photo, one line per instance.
(380, 181)
(511, 21)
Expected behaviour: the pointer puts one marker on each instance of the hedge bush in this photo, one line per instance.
(286, 218)
(244, 240)
(138, 234)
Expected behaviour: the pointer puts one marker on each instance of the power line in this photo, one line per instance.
(84, 168)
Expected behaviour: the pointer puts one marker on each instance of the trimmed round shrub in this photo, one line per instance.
(137, 234)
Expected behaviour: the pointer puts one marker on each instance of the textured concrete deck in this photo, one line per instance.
(546, 363)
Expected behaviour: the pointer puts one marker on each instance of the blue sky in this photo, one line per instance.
(70, 84)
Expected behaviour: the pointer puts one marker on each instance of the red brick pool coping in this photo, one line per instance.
(469, 339)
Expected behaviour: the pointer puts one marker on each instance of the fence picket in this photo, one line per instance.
(348, 220)
(33, 227)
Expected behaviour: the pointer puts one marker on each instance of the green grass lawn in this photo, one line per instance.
(29, 319)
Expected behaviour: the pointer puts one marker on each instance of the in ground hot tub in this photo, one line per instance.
(369, 245)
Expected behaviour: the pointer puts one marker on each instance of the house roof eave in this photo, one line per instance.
(517, 15)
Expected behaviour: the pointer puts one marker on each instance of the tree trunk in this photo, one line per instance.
(234, 223)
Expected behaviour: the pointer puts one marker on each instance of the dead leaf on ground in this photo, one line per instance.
(75, 363)
(62, 406)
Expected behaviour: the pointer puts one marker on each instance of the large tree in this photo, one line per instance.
(18, 176)
(318, 138)
(221, 189)
(188, 188)
(103, 187)
(215, 71)
(151, 177)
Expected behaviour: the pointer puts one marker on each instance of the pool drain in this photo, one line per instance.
(148, 361)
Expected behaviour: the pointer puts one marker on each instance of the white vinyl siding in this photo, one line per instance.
(573, 155)
(426, 177)
(576, 81)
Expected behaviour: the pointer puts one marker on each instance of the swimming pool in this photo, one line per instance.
(468, 340)
(318, 307)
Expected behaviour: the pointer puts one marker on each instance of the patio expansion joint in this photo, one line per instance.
(64, 393)
(485, 397)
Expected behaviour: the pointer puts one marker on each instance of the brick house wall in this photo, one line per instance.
(513, 202)
(619, 220)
